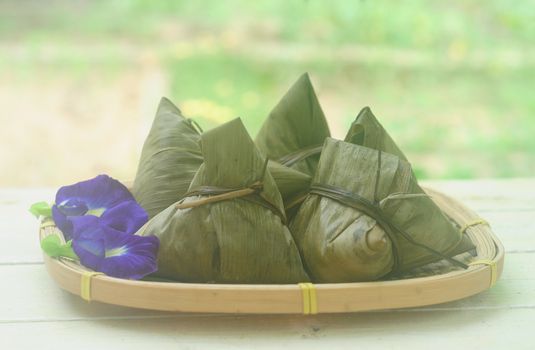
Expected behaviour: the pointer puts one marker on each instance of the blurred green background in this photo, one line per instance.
(452, 81)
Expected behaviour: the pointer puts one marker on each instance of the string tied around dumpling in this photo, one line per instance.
(299, 155)
(214, 194)
(218, 194)
(374, 210)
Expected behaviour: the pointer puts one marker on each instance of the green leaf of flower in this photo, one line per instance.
(53, 247)
(41, 209)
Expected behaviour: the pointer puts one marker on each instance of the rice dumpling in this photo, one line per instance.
(230, 226)
(367, 131)
(170, 158)
(366, 217)
(294, 131)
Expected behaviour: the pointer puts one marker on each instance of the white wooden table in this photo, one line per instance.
(35, 313)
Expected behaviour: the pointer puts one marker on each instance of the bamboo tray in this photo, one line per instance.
(432, 284)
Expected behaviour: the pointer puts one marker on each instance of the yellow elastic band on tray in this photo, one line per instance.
(473, 223)
(493, 268)
(85, 284)
(310, 302)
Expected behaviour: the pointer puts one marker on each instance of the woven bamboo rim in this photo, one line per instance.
(435, 283)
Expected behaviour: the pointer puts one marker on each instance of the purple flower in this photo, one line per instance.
(115, 253)
(100, 217)
(102, 197)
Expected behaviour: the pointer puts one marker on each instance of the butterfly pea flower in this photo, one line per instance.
(113, 252)
(101, 197)
(98, 218)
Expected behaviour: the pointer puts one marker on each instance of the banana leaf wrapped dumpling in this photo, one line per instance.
(366, 217)
(367, 131)
(230, 227)
(170, 158)
(294, 131)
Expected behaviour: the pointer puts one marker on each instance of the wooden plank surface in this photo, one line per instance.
(35, 312)
(471, 329)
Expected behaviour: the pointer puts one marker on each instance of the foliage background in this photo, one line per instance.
(453, 81)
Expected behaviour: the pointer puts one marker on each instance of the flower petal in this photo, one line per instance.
(126, 217)
(115, 253)
(101, 192)
(100, 196)
(90, 246)
(62, 222)
(73, 207)
(130, 256)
